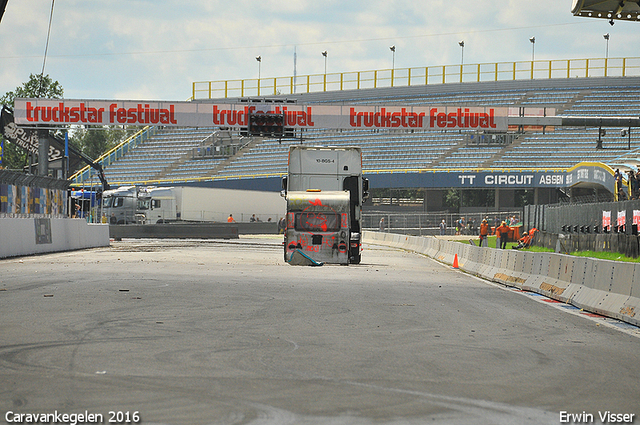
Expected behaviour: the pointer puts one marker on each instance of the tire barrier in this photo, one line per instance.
(28, 236)
(608, 288)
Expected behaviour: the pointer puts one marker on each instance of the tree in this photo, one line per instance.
(96, 140)
(456, 198)
(452, 199)
(92, 141)
(38, 86)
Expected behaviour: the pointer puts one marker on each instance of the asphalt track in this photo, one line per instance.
(223, 332)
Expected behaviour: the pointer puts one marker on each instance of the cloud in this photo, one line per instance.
(147, 49)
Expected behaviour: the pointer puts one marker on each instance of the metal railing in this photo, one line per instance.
(87, 174)
(175, 180)
(580, 218)
(405, 77)
(422, 224)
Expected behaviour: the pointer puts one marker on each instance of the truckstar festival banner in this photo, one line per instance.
(199, 114)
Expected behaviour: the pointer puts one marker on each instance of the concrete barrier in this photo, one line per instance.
(502, 272)
(28, 236)
(604, 287)
(516, 264)
(473, 263)
(176, 231)
(581, 273)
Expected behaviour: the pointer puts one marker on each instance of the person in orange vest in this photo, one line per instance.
(503, 234)
(230, 219)
(484, 232)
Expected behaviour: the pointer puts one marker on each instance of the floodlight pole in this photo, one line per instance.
(533, 54)
(259, 59)
(393, 61)
(324, 53)
(533, 49)
(461, 44)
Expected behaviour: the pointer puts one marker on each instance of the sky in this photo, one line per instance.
(156, 49)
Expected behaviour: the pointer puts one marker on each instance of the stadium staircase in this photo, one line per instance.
(203, 158)
(175, 165)
(516, 142)
(442, 157)
(577, 98)
(239, 154)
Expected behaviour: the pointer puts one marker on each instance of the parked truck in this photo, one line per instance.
(322, 173)
(151, 205)
(120, 205)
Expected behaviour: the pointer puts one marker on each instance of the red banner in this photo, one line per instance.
(199, 114)
(622, 217)
(606, 219)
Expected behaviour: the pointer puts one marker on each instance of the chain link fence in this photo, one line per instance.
(424, 224)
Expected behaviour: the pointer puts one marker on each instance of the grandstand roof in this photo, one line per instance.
(607, 9)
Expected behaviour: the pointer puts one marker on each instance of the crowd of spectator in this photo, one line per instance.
(633, 189)
(469, 227)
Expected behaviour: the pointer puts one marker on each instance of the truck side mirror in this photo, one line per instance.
(365, 188)
(283, 192)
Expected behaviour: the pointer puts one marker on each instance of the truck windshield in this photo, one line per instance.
(106, 202)
(143, 204)
(317, 222)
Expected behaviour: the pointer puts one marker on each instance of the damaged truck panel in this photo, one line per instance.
(318, 225)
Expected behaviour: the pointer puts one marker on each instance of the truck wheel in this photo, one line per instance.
(354, 256)
(284, 247)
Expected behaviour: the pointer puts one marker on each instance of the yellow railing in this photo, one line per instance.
(85, 174)
(405, 77)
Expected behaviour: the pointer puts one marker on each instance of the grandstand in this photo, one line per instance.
(211, 156)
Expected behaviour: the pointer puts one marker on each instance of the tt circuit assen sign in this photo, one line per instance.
(583, 174)
(473, 180)
(197, 114)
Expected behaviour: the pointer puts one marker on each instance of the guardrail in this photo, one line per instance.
(399, 77)
(608, 288)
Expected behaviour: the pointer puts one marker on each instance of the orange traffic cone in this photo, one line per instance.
(455, 261)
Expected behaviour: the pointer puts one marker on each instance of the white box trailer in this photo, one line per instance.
(187, 203)
(325, 168)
